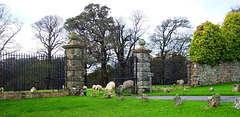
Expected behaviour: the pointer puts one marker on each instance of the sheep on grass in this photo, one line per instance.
(85, 87)
(180, 82)
(127, 84)
(99, 88)
(94, 87)
(110, 87)
(33, 90)
(1, 89)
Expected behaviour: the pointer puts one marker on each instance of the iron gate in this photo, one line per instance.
(126, 70)
(168, 71)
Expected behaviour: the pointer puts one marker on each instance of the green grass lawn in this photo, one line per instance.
(75, 106)
(223, 89)
(99, 107)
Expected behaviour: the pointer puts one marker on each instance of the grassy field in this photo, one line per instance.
(99, 107)
(223, 89)
(70, 106)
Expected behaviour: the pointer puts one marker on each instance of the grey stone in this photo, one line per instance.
(235, 88)
(144, 98)
(166, 90)
(82, 94)
(211, 89)
(214, 101)
(106, 96)
(177, 100)
(236, 104)
(93, 95)
(73, 91)
(121, 98)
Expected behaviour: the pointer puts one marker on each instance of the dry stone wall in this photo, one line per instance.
(202, 74)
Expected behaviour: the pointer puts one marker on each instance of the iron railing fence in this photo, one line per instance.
(168, 71)
(126, 70)
(21, 72)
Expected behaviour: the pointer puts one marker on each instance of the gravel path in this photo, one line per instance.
(191, 98)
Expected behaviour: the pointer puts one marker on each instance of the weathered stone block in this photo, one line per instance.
(82, 94)
(93, 95)
(144, 98)
(235, 88)
(214, 101)
(121, 98)
(177, 100)
(106, 96)
(211, 89)
(236, 104)
(166, 90)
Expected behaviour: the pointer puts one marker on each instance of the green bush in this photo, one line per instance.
(207, 44)
(231, 32)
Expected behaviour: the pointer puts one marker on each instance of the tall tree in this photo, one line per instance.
(138, 19)
(122, 40)
(49, 31)
(125, 38)
(9, 27)
(95, 24)
(172, 37)
(169, 39)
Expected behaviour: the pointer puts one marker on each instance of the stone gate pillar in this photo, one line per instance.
(143, 67)
(75, 68)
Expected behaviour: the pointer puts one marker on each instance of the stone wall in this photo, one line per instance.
(221, 73)
(4, 96)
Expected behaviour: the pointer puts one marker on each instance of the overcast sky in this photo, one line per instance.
(197, 11)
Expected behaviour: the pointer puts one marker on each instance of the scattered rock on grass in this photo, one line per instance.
(236, 104)
(166, 90)
(235, 88)
(106, 96)
(177, 100)
(82, 94)
(93, 95)
(214, 101)
(144, 98)
(121, 98)
(211, 89)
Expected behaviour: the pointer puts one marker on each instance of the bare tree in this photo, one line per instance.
(49, 31)
(138, 18)
(9, 27)
(122, 40)
(171, 38)
(125, 38)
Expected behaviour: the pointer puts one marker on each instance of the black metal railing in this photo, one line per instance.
(168, 71)
(126, 70)
(21, 72)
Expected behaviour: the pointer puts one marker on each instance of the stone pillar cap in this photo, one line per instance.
(142, 49)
